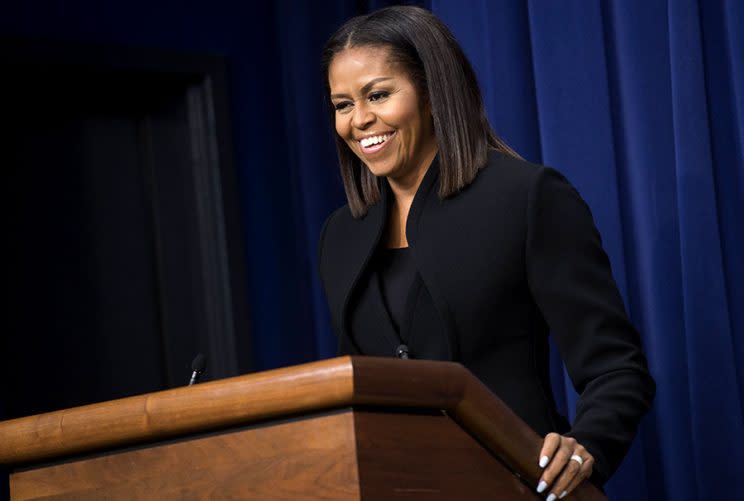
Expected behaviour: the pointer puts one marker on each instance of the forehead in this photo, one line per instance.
(354, 67)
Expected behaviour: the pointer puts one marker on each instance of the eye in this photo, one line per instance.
(342, 105)
(377, 96)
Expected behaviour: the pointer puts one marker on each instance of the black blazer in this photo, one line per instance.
(510, 257)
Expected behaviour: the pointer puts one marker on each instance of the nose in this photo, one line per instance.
(362, 117)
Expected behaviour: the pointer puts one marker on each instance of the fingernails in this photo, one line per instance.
(544, 461)
(541, 486)
(563, 495)
(551, 497)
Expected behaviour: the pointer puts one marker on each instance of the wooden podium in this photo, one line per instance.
(347, 428)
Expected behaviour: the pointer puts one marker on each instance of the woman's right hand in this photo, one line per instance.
(566, 462)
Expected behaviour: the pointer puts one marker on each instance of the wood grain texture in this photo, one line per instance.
(304, 459)
(451, 387)
(411, 457)
(303, 389)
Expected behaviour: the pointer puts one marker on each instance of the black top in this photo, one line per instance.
(509, 259)
(396, 271)
(393, 296)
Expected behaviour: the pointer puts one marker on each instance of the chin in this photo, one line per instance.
(380, 171)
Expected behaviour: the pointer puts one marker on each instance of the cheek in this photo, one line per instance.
(343, 127)
(405, 118)
(410, 126)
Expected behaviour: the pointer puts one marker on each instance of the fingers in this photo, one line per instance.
(562, 473)
(550, 445)
(584, 473)
(573, 473)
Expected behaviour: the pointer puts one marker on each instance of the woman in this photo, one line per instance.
(453, 248)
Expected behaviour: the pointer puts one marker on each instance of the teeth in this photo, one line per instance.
(369, 141)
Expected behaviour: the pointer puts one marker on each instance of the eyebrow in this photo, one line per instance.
(366, 87)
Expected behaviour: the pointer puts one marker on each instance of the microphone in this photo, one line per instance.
(198, 366)
(401, 351)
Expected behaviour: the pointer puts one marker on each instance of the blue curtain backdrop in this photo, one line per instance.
(639, 103)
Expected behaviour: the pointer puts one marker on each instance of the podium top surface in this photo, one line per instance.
(292, 391)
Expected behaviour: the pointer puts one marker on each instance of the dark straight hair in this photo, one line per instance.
(436, 64)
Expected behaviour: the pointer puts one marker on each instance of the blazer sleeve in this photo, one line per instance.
(570, 278)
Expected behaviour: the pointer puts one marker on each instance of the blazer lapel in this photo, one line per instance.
(363, 240)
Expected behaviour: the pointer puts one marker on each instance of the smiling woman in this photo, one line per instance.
(453, 248)
(385, 121)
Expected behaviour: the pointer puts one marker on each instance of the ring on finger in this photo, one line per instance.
(578, 459)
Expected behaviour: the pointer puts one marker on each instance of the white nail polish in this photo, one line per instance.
(544, 461)
(563, 495)
(551, 497)
(541, 486)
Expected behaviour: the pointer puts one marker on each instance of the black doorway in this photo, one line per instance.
(124, 253)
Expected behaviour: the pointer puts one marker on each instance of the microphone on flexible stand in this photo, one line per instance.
(198, 366)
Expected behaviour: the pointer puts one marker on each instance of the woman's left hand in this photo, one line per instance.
(566, 464)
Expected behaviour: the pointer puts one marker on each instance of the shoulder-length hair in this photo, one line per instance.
(437, 66)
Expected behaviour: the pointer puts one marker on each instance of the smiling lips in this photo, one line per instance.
(373, 144)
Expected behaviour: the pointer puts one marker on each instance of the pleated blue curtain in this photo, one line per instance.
(640, 105)
(313, 183)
